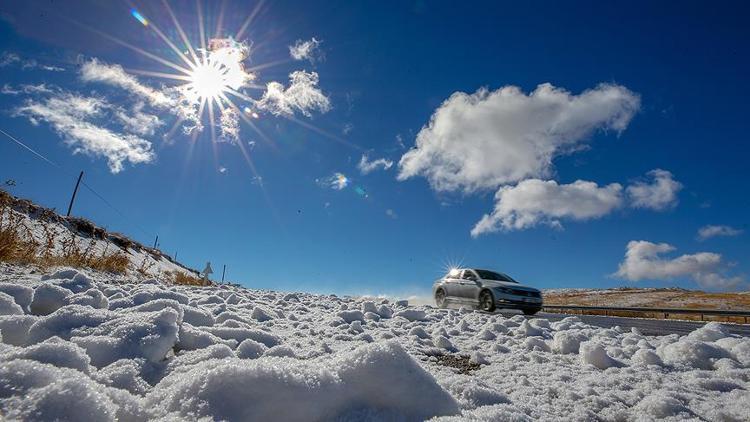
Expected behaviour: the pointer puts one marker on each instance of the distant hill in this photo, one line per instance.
(648, 298)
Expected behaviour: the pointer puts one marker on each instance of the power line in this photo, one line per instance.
(86, 185)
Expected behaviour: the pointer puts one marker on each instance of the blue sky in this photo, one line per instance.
(484, 116)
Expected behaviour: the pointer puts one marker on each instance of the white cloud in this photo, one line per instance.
(392, 214)
(707, 232)
(643, 261)
(7, 59)
(659, 195)
(27, 89)
(535, 201)
(114, 75)
(71, 116)
(137, 121)
(301, 95)
(366, 166)
(306, 50)
(491, 138)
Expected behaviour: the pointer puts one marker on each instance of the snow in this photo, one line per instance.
(77, 346)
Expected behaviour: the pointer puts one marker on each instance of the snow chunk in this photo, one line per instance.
(92, 297)
(15, 328)
(47, 299)
(191, 338)
(647, 357)
(62, 274)
(710, 332)
(379, 379)
(124, 374)
(567, 341)
(280, 351)
(260, 314)
(660, 406)
(419, 332)
(64, 320)
(78, 284)
(384, 311)
(529, 330)
(196, 316)
(594, 353)
(21, 294)
(691, 353)
(51, 393)
(250, 349)
(350, 316)
(54, 351)
(8, 305)
(242, 334)
(412, 314)
(147, 335)
(443, 343)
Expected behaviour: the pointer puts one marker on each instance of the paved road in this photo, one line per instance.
(650, 327)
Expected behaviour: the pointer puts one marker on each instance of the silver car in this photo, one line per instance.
(486, 290)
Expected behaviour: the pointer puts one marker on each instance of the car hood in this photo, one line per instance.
(493, 283)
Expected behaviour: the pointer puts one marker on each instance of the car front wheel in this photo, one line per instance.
(440, 298)
(486, 302)
(530, 311)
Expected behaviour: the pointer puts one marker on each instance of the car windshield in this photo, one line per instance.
(491, 275)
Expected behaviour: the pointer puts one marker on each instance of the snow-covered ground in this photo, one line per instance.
(77, 347)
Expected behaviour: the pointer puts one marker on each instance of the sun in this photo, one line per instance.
(208, 81)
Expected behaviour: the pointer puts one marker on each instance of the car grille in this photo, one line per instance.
(525, 293)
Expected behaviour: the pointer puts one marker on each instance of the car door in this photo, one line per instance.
(452, 285)
(469, 289)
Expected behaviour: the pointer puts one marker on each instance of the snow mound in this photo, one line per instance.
(381, 379)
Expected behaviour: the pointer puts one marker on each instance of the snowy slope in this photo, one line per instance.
(53, 232)
(76, 347)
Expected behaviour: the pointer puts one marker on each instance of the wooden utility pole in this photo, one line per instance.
(224, 271)
(156, 241)
(75, 191)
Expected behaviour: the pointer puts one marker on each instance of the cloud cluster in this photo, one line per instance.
(73, 118)
(114, 75)
(707, 232)
(8, 59)
(533, 201)
(306, 50)
(658, 195)
(492, 138)
(366, 166)
(644, 261)
(302, 95)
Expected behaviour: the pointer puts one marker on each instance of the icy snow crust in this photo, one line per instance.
(75, 347)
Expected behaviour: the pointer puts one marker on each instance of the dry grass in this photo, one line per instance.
(653, 298)
(181, 278)
(18, 246)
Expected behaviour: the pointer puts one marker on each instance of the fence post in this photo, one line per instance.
(75, 191)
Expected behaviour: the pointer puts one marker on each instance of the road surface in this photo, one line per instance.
(649, 327)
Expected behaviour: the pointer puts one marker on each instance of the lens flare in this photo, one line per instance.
(139, 17)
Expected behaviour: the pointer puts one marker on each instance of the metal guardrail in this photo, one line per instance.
(665, 311)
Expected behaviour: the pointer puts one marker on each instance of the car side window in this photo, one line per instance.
(468, 275)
